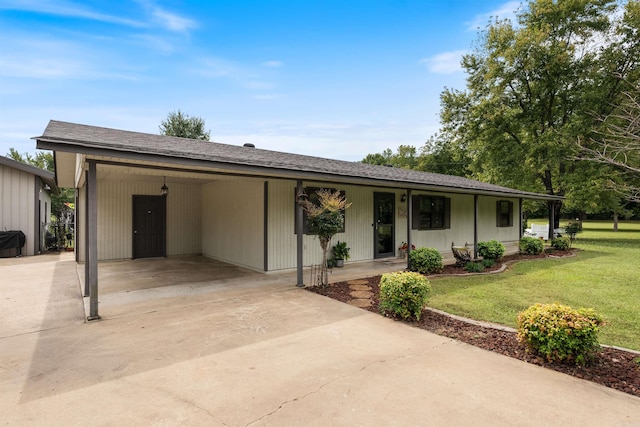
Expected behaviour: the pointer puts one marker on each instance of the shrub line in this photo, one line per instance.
(504, 328)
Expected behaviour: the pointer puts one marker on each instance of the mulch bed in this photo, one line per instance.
(610, 367)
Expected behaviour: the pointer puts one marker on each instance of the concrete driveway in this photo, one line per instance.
(258, 352)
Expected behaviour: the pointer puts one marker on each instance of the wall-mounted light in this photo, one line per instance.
(164, 190)
(403, 198)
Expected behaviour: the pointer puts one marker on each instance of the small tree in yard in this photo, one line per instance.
(326, 218)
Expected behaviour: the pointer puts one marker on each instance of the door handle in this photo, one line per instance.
(135, 231)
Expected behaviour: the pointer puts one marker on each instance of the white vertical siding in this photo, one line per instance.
(358, 224)
(281, 224)
(115, 217)
(462, 224)
(44, 199)
(461, 231)
(184, 219)
(18, 206)
(487, 228)
(233, 222)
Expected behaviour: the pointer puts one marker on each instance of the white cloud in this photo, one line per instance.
(26, 58)
(505, 11)
(213, 67)
(68, 9)
(172, 21)
(445, 62)
(272, 64)
(156, 15)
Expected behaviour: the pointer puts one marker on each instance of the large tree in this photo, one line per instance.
(179, 124)
(437, 155)
(536, 86)
(617, 145)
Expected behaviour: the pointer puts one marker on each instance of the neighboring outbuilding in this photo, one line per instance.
(25, 206)
(143, 195)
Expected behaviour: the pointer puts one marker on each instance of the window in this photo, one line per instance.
(431, 213)
(312, 195)
(504, 213)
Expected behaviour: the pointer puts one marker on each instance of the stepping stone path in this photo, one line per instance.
(361, 293)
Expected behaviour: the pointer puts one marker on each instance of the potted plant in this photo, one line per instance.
(404, 247)
(340, 253)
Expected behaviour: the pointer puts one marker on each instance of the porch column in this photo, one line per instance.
(520, 218)
(409, 226)
(552, 219)
(91, 263)
(299, 235)
(87, 291)
(475, 226)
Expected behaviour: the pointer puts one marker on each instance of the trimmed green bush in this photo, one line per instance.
(488, 263)
(561, 243)
(474, 267)
(491, 249)
(559, 333)
(531, 246)
(403, 294)
(425, 260)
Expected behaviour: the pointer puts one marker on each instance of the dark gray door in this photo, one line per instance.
(149, 226)
(384, 224)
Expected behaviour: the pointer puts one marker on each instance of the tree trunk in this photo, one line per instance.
(615, 221)
(325, 275)
(555, 206)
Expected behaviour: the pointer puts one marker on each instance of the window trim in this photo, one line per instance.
(417, 214)
(500, 215)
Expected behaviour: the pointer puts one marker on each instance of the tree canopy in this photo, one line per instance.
(44, 160)
(537, 86)
(617, 146)
(182, 125)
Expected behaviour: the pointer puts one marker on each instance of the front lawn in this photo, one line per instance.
(604, 275)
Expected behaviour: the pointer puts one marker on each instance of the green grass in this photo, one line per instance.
(605, 275)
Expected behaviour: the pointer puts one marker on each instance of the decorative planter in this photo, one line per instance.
(339, 263)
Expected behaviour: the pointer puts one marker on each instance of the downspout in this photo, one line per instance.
(409, 227)
(475, 226)
(299, 235)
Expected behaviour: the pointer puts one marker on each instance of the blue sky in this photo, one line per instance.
(337, 79)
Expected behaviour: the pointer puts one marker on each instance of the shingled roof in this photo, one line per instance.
(71, 137)
(46, 176)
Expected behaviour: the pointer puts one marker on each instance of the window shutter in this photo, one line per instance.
(447, 213)
(499, 213)
(415, 212)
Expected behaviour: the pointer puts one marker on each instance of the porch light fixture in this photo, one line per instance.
(403, 198)
(164, 190)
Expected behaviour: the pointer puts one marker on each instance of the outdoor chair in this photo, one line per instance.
(462, 254)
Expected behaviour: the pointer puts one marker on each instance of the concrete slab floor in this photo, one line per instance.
(268, 354)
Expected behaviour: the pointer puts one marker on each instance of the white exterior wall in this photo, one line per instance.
(461, 231)
(18, 205)
(487, 228)
(358, 224)
(233, 222)
(45, 214)
(115, 217)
